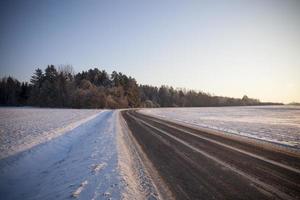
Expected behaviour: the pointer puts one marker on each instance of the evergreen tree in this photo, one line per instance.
(36, 84)
(49, 93)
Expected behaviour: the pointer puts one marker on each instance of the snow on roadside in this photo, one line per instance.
(94, 160)
(23, 128)
(276, 124)
(135, 178)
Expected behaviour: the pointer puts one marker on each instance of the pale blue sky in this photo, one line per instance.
(227, 48)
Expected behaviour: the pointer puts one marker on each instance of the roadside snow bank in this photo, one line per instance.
(23, 128)
(276, 124)
(135, 178)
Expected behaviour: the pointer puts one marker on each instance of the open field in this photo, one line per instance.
(23, 128)
(125, 154)
(81, 163)
(276, 124)
(69, 154)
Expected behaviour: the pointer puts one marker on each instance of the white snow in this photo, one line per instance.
(277, 124)
(23, 128)
(79, 190)
(89, 154)
(82, 163)
(98, 167)
(82, 156)
(136, 179)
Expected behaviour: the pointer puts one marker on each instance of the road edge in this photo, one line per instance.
(134, 164)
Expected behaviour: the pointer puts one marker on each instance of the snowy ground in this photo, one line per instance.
(278, 124)
(23, 128)
(87, 154)
(88, 161)
(81, 163)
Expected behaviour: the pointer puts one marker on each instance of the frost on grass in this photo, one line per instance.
(23, 128)
(276, 124)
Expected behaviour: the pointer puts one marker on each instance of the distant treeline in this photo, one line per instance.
(61, 87)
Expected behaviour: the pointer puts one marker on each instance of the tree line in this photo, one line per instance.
(61, 87)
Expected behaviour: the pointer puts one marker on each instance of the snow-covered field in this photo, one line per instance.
(277, 124)
(81, 163)
(68, 154)
(23, 128)
(87, 154)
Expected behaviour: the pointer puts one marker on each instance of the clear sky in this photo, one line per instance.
(226, 48)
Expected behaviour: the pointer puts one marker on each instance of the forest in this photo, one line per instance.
(61, 87)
